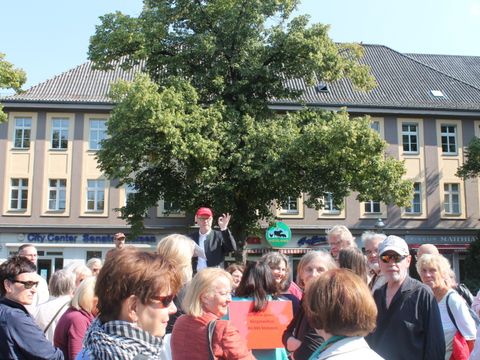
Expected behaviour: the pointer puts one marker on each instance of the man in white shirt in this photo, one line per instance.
(214, 243)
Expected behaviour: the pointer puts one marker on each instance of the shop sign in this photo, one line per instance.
(439, 239)
(84, 238)
(278, 235)
(315, 240)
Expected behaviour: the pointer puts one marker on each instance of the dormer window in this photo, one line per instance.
(437, 93)
(322, 87)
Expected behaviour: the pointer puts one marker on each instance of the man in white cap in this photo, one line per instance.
(408, 320)
(214, 243)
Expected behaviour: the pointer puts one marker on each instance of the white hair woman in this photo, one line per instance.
(435, 270)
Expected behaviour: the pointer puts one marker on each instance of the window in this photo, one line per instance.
(372, 207)
(328, 204)
(375, 125)
(59, 133)
(56, 194)
(171, 207)
(416, 205)
(95, 195)
(410, 138)
(451, 199)
(98, 132)
(19, 194)
(290, 206)
(93, 254)
(129, 191)
(23, 128)
(449, 139)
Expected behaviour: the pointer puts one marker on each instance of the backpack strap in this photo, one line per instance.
(210, 331)
(450, 315)
(54, 317)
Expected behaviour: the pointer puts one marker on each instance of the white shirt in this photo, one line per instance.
(202, 263)
(46, 312)
(41, 296)
(465, 323)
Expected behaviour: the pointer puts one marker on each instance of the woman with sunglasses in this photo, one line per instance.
(435, 270)
(135, 290)
(20, 337)
(200, 334)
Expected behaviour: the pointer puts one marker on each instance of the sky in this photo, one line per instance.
(46, 38)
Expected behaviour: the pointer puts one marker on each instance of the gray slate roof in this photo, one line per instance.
(465, 68)
(82, 84)
(404, 82)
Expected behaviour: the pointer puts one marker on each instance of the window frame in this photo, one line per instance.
(372, 204)
(448, 194)
(289, 211)
(22, 194)
(331, 209)
(98, 133)
(410, 134)
(63, 132)
(22, 128)
(58, 189)
(97, 189)
(447, 136)
(417, 194)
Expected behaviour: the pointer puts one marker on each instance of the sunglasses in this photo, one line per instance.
(164, 300)
(26, 284)
(396, 258)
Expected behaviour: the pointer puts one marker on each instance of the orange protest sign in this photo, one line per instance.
(264, 329)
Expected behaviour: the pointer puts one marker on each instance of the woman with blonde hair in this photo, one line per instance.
(73, 324)
(205, 303)
(179, 249)
(341, 308)
(435, 271)
(299, 338)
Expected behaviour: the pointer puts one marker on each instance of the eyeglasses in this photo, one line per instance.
(27, 284)
(164, 300)
(396, 258)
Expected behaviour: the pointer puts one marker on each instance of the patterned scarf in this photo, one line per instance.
(120, 340)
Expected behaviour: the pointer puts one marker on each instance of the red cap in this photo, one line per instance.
(204, 211)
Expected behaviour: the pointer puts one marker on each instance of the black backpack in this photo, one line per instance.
(463, 291)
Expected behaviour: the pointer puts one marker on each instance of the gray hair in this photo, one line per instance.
(371, 235)
(93, 261)
(61, 283)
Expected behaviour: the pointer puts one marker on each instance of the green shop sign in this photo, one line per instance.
(278, 235)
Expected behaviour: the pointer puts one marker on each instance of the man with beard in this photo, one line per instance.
(371, 242)
(408, 321)
(339, 237)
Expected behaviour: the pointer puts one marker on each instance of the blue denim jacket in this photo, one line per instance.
(20, 336)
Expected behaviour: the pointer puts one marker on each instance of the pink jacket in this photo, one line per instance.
(70, 330)
(190, 341)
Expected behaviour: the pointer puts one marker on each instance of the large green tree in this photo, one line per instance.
(10, 78)
(196, 128)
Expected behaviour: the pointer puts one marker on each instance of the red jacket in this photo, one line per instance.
(70, 330)
(190, 341)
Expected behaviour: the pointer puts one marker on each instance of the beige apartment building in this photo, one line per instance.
(426, 107)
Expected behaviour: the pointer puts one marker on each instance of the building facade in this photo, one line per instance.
(54, 195)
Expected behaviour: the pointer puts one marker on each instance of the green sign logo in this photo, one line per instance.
(278, 235)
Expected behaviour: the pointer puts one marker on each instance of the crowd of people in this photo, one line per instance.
(176, 303)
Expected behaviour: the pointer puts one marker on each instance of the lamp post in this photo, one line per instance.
(379, 225)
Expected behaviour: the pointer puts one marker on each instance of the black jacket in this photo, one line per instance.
(217, 244)
(411, 328)
(20, 336)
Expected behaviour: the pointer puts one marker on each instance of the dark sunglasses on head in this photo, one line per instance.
(27, 284)
(396, 257)
(164, 300)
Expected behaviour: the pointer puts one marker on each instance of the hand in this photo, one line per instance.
(293, 343)
(223, 221)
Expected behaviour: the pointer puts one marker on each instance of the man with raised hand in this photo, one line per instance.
(215, 243)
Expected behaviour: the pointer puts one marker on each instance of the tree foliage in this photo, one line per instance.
(196, 129)
(471, 167)
(10, 78)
